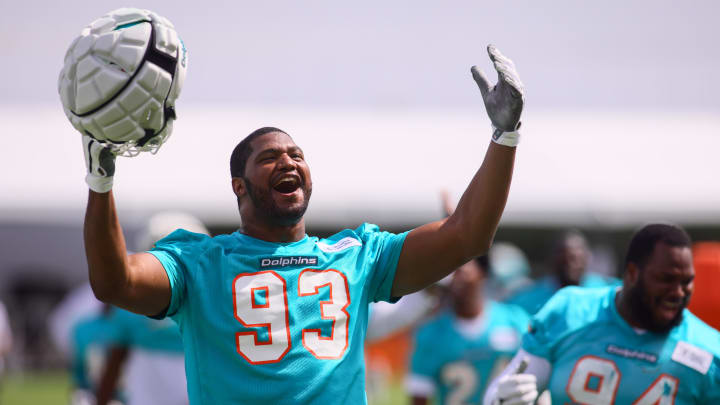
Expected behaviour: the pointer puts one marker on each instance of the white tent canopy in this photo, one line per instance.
(386, 166)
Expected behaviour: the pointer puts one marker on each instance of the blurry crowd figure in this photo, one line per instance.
(569, 261)
(388, 338)
(457, 352)
(509, 271)
(118, 357)
(472, 336)
(5, 339)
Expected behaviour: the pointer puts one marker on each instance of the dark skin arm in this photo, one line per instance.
(111, 374)
(135, 282)
(433, 250)
(419, 400)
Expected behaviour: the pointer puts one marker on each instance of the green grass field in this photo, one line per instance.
(52, 388)
(49, 388)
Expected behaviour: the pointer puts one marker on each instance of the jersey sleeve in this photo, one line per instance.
(424, 364)
(178, 253)
(382, 252)
(118, 330)
(561, 315)
(520, 318)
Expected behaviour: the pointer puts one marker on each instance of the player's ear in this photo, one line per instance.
(632, 273)
(238, 185)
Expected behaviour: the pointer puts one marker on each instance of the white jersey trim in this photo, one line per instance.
(342, 244)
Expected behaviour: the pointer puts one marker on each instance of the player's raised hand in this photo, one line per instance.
(503, 101)
(100, 164)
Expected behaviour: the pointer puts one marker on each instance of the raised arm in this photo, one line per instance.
(135, 282)
(431, 251)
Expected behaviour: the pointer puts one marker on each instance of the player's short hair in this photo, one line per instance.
(243, 150)
(643, 242)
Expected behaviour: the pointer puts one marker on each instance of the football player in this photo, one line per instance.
(269, 314)
(570, 258)
(635, 344)
(458, 352)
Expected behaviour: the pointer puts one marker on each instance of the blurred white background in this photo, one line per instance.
(621, 121)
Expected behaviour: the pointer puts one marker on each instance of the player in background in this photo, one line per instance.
(635, 344)
(6, 339)
(78, 330)
(569, 261)
(509, 271)
(458, 352)
(145, 353)
(269, 314)
(147, 356)
(90, 337)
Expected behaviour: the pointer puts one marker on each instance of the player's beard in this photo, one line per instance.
(642, 310)
(265, 205)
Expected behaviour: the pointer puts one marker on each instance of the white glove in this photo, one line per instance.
(100, 164)
(504, 101)
(516, 389)
(82, 397)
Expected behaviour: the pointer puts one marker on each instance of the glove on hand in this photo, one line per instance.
(504, 101)
(516, 389)
(100, 163)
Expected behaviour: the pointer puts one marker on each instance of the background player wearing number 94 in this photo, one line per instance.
(631, 345)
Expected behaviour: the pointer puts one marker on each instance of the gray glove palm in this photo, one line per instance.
(100, 164)
(503, 101)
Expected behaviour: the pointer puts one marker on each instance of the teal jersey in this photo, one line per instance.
(277, 323)
(533, 297)
(459, 361)
(90, 336)
(138, 331)
(598, 358)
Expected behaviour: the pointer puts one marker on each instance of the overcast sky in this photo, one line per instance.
(648, 54)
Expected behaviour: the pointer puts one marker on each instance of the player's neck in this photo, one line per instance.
(469, 310)
(624, 308)
(274, 233)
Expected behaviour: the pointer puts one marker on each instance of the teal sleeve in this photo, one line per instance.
(119, 332)
(423, 361)
(520, 318)
(178, 253)
(386, 248)
(547, 326)
(177, 282)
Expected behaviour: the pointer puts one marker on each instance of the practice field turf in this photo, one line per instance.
(37, 388)
(51, 388)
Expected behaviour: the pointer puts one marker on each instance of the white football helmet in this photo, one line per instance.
(121, 79)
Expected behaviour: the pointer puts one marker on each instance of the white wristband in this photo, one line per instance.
(506, 138)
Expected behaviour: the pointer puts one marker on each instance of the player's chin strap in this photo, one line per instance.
(511, 138)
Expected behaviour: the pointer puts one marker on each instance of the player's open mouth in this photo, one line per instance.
(287, 184)
(669, 307)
